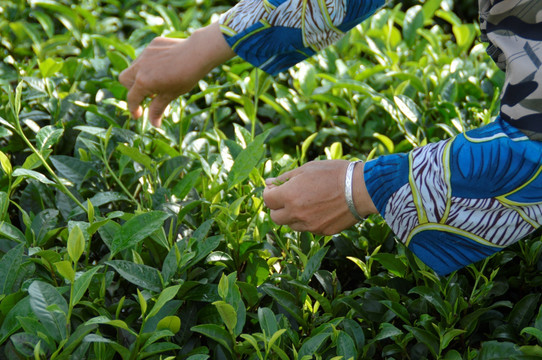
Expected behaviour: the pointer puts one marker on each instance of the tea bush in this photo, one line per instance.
(120, 240)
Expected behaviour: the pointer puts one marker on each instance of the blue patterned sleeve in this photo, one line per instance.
(277, 34)
(461, 200)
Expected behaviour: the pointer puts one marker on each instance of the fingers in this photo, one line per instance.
(157, 108)
(135, 97)
(273, 197)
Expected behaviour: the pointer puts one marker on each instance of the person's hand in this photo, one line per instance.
(311, 197)
(168, 68)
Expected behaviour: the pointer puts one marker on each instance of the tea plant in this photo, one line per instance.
(119, 240)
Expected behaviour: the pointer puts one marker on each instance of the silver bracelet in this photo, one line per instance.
(348, 191)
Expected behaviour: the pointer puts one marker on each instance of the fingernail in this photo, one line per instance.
(269, 181)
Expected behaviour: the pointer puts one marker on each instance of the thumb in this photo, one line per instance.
(156, 109)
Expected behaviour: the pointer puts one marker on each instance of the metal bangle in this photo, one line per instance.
(348, 191)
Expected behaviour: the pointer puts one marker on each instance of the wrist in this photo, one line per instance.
(211, 48)
(360, 196)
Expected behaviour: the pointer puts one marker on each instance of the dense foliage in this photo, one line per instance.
(119, 240)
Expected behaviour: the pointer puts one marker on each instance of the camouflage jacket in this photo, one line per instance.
(513, 29)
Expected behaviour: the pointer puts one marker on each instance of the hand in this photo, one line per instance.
(311, 197)
(168, 68)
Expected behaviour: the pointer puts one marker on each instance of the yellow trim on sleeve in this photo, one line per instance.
(327, 17)
(422, 216)
(450, 229)
(265, 26)
(227, 30)
(447, 179)
(503, 198)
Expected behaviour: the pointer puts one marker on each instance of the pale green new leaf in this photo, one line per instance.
(76, 244)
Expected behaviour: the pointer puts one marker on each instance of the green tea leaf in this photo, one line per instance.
(43, 296)
(311, 345)
(76, 244)
(116, 323)
(286, 300)
(65, 269)
(137, 229)
(166, 295)
(216, 333)
(524, 310)
(10, 323)
(5, 163)
(25, 173)
(71, 168)
(414, 19)
(9, 266)
(495, 350)
(425, 337)
(50, 67)
(171, 323)
(227, 313)
(345, 346)
(181, 189)
(47, 137)
(141, 275)
(313, 264)
(137, 156)
(247, 160)
(11, 232)
(82, 283)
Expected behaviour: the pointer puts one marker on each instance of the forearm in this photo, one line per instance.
(210, 47)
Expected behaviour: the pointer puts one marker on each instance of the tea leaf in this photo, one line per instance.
(216, 333)
(247, 160)
(43, 296)
(172, 323)
(47, 137)
(66, 270)
(9, 265)
(141, 275)
(5, 163)
(227, 313)
(82, 283)
(76, 244)
(166, 295)
(311, 345)
(33, 175)
(137, 229)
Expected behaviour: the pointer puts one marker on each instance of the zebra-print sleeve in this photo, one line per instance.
(277, 34)
(460, 200)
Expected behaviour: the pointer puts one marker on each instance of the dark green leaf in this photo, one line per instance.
(43, 296)
(247, 160)
(47, 136)
(267, 320)
(137, 229)
(72, 168)
(494, 350)
(346, 346)
(313, 264)
(216, 333)
(524, 310)
(141, 275)
(312, 344)
(425, 337)
(186, 184)
(82, 283)
(9, 266)
(166, 295)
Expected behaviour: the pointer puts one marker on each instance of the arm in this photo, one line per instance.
(168, 68)
(312, 197)
(272, 35)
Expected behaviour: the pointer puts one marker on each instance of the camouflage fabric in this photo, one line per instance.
(513, 29)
